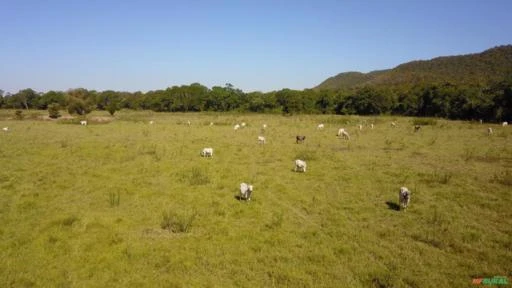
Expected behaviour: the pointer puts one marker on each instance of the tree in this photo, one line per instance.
(78, 106)
(2, 100)
(51, 97)
(80, 101)
(24, 99)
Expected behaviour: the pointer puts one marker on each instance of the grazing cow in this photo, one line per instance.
(300, 166)
(211, 123)
(207, 152)
(300, 139)
(243, 125)
(320, 126)
(343, 133)
(151, 122)
(261, 140)
(371, 125)
(417, 128)
(236, 127)
(245, 191)
(264, 126)
(360, 127)
(5, 129)
(489, 131)
(393, 124)
(188, 123)
(504, 124)
(83, 123)
(404, 197)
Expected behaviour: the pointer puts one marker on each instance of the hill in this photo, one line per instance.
(492, 65)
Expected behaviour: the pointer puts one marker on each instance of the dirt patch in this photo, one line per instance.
(47, 118)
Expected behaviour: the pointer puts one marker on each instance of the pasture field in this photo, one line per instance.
(122, 203)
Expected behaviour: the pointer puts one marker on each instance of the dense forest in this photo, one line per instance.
(469, 87)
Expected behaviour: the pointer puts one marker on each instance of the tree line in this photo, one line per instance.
(453, 101)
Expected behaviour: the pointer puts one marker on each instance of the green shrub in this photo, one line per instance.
(19, 114)
(53, 110)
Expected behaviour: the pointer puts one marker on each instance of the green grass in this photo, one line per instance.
(128, 204)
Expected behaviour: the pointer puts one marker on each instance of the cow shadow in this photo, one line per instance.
(393, 206)
(239, 198)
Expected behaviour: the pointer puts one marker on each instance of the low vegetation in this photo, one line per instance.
(133, 204)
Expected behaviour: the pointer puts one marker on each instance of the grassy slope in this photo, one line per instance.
(329, 227)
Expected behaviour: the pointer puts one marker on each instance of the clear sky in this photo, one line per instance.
(257, 45)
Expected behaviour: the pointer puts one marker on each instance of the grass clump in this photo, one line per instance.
(437, 177)
(196, 176)
(177, 222)
(67, 221)
(503, 177)
(114, 199)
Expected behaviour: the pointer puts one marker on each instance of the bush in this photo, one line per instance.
(19, 114)
(53, 110)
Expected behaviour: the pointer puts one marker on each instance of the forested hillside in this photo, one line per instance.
(476, 86)
(484, 68)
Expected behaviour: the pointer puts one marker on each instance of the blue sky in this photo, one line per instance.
(257, 45)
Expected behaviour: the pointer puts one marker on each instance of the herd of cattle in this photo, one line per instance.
(404, 195)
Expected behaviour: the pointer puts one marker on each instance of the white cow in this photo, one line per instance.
(83, 122)
(261, 140)
(151, 122)
(207, 152)
(243, 125)
(188, 123)
(300, 165)
(211, 123)
(236, 127)
(245, 191)
(371, 125)
(393, 124)
(404, 197)
(264, 126)
(360, 127)
(5, 129)
(504, 124)
(320, 126)
(489, 131)
(343, 133)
